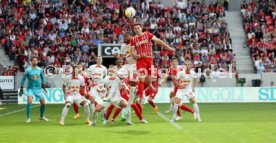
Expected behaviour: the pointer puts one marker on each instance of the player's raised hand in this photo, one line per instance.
(172, 49)
(21, 92)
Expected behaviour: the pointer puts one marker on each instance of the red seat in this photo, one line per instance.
(267, 17)
(270, 28)
(268, 22)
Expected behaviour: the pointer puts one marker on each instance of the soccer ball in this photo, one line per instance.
(130, 12)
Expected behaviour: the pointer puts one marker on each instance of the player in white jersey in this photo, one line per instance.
(186, 87)
(71, 88)
(112, 84)
(129, 70)
(97, 73)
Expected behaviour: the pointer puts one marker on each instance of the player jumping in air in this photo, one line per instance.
(186, 87)
(35, 87)
(142, 52)
(150, 93)
(71, 88)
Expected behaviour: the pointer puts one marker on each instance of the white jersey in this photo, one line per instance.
(186, 78)
(126, 50)
(112, 85)
(73, 84)
(97, 73)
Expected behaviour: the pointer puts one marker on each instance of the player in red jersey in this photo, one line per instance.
(150, 93)
(142, 52)
(172, 72)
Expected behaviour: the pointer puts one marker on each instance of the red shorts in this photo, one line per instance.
(151, 93)
(144, 63)
(124, 95)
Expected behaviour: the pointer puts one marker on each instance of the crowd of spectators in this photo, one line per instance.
(69, 31)
(259, 23)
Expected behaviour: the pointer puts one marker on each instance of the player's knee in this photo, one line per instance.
(68, 105)
(98, 108)
(192, 100)
(149, 99)
(82, 103)
(171, 94)
(133, 83)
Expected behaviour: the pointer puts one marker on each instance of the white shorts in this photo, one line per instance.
(128, 70)
(185, 92)
(75, 98)
(97, 95)
(115, 101)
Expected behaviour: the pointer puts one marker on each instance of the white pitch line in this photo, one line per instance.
(16, 111)
(168, 120)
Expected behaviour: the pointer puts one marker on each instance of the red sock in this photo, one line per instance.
(76, 108)
(178, 112)
(137, 111)
(116, 113)
(139, 105)
(152, 103)
(95, 103)
(141, 86)
(109, 111)
(186, 108)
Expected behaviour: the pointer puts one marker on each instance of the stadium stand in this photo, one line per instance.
(259, 24)
(61, 32)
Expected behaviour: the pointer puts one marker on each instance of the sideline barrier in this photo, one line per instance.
(203, 95)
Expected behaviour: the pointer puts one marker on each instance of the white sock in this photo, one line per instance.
(92, 108)
(128, 117)
(131, 96)
(175, 108)
(87, 111)
(65, 111)
(123, 110)
(196, 109)
(94, 118)
(171, 106)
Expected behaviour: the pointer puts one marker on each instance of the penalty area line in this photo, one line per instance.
(16, 111)
(168, 120)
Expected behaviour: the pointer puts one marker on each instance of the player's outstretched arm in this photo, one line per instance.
(165, 78)
(160, 42)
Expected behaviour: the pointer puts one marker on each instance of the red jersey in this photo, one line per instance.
(173, 72)
(142, 44)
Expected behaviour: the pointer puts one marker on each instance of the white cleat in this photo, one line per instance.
(93, 124)
(178, 118)
(199, 119)
(104, 122)
(168, 111)
(144, 121)
(130, 123)
(28, 121)
(44, 119)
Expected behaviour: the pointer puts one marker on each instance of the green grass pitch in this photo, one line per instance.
(222, 123)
